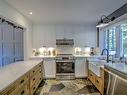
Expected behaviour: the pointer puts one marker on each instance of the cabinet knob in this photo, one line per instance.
(33, 88)
(21, 81)
(97, 81)
(22, 92)
(33, 79)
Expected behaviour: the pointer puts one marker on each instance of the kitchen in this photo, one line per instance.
(57, 47)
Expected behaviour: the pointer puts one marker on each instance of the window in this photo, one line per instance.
(110, 39)
(116, 39)
(124, 38)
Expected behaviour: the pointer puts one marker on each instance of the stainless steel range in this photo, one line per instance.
(65, 66)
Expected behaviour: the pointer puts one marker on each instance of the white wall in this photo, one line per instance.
(12, 14)
(46, 35)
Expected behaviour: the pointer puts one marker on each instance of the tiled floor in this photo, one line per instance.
(70, 87)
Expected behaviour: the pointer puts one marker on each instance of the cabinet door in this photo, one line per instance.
(81, 69)
(8, 31)
(69, 32)
(49, 68)
(120, 87)
(60, 32)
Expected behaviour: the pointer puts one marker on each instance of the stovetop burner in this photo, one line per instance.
(64, 57)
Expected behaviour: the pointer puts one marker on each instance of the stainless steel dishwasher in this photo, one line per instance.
(115, 82)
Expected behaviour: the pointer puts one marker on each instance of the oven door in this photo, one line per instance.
(65, 67)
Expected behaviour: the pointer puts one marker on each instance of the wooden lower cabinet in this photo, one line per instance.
(97, 81)
(36, 79)
(24, 90)
(26, 84)
(91, 77)
(99, 84)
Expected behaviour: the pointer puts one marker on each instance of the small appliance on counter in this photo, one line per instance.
(44, 51)
(87, 51)
(51, 51)
(92, 51)
(78, 51)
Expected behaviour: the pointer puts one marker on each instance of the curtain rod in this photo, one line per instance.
(10, 23)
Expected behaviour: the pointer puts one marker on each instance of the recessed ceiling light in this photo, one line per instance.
(30, 13)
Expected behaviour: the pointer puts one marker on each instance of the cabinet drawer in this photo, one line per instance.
(9, 89)
(34, 87)
(23, 90)
(35, 77)
(99, 83)
(36, 82)
(23, 80)
(35, 69)
(91, 76)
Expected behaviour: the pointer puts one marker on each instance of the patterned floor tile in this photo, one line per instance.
(57, 87)
(67, 87)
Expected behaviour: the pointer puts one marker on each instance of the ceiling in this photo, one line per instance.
(66, 11)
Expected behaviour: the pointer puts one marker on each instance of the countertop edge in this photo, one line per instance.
(20, 75)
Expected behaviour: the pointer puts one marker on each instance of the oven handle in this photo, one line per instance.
(65, 61)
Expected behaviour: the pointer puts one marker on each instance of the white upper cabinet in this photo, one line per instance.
(64, 32)
(60, 32)
(7, 33)
(50, 38)
(68, 31)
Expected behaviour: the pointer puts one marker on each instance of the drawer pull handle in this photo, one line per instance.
(34, 79)
(97, 81)
(33, 88)
(22, 92)
(33, 71)
(22, 81)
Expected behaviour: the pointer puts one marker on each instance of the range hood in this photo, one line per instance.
(64, 42)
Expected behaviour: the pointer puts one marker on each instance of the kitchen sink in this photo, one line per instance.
(95, 66)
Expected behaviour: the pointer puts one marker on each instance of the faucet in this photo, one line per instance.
(107, 53)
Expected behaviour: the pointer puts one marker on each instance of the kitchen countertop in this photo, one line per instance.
(41, 57)
(121, 67)
(10, 73)
(88, 56)
(84, 56)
